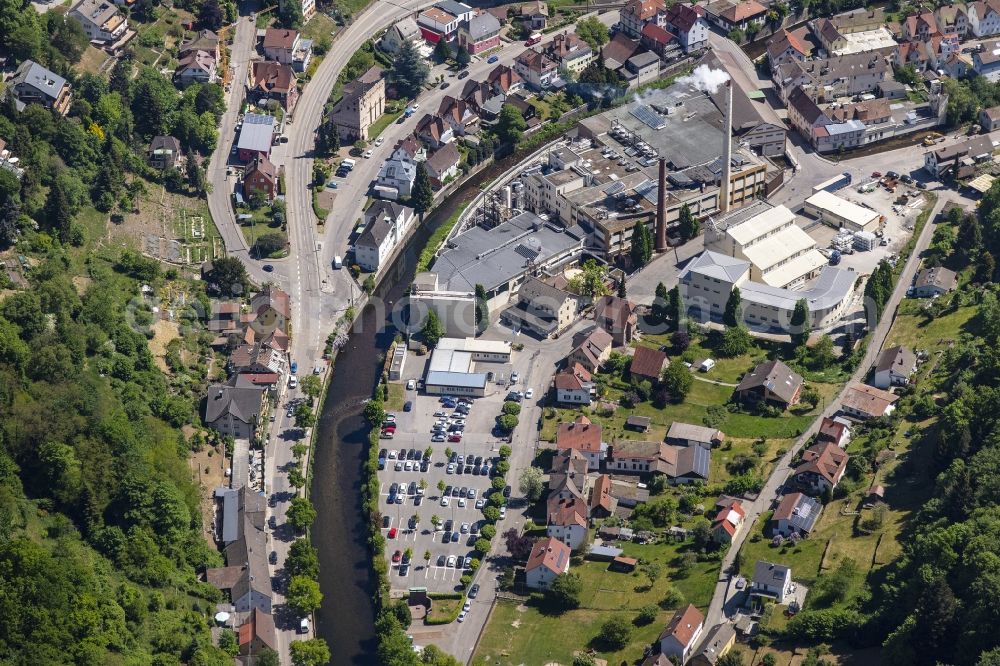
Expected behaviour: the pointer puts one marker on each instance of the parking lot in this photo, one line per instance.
(407, 520)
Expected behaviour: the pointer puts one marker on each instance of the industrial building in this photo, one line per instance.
(455, 309)
(780, 253)
(707, 281)
(454, 368)
(502, 258)
(837, 212)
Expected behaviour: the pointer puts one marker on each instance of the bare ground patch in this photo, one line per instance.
(163, 332)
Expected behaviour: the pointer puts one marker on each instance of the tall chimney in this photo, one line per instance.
(727, 150)
(661, 208)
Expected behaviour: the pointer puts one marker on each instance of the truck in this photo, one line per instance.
(534, 39)
(835, 183)
(348, 164)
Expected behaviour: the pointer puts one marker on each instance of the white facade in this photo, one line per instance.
(837, 212)
(573, 536)
(384, 232)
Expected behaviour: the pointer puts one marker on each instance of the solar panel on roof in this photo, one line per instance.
(648, 116)
(615, 188)
(526, 252)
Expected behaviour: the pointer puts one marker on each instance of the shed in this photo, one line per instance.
(623, 564)
(638, 423)
(604, 553)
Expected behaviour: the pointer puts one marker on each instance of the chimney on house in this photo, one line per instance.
(727, 150)
(661, 208)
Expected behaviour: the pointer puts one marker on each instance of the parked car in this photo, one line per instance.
(445, 501)
(268, 268)
(529, 393)
(451, 560)
(392, 533)
(455, 438)
(464, 73)
(474, 591)
(492, 59)
(385, 521)
(397, 556)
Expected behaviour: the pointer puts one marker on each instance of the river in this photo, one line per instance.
(346, 620)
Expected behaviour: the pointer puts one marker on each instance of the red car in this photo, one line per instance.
(392, 533)
(876, 174)
(397, 556)
(390, 428)
(455, 438)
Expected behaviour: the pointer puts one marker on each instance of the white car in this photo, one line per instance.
(445, 501)
(367, 154)
(461, 616)
(467, 606)
(408, 465)
(503, 512)
(472, 493)
(514, 377)
(379, 141)
(415, 107)
(451, 468)
(529, 393)
(412, 384)
(451, 560)
(461, 501)
(480, 503)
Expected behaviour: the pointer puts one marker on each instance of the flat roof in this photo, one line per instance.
(457, 379)
(450, 360)
(842, 208)
(475, 345)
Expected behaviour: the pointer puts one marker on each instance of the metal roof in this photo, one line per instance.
(457, 379)
(257, 132)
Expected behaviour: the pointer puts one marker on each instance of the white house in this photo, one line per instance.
(398, 174)
(573, 385)
(549, 558)
(984, 18)
(566, 520)
(443, 164)
(386, 224)
(402, 31)
(771, 580)
(584, 436)
(689, 24)
(681, 634)
(101, 20)
(895, 366)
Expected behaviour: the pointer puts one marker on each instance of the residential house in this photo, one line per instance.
(542, 309)
(246, 577)
(659, 41)
(861, 401)
(410, 150)
(618, 317)
(434, 131)
(256, 136)
(437, 24)
(728, 522)
(271, 310)
(537, 69)
(636, 14)
(362, 104)
(234, 409)
(399, 33)
(934, 281)
(568, 475)
(204, 40)
(834, 430)
(771, 580)
(739, 15)
(458, 114)
(503, 79)
(829, 35)
(573, 385)
(256, 634)
(939, 161)
(272, 80)
(584, 436)
(919, 26)
(639, 457)
(822, 467)
(535, 14)
(986, 63)
(566, 520)
(164, 152)
(647, 364)
(838, 76)
(718, 642)
(602, 502)
(797, 513)
(805, 115)
(548, 559)
(989, 119)
(101, 20)
(688, 23)
(34, 84)
(256, 358)
(196, 66)
(571, 52)
(771, 382)
(641, 68)
(894, 367)
(616, 53)
(386, 224)
(984, 17)
(591, 349)
(870, 112)
(279, 44)
(786, 46)
(398, 174)
(688, 434)
(953, 19)
(480, 33)
(442, 165)
(679, 638)
(261, 178)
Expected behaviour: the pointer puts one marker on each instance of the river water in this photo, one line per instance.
(346, 620)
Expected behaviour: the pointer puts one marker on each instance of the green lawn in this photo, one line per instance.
(386, 119)
(522, 634)
(320, 25)
(915, 330)
(397, 394)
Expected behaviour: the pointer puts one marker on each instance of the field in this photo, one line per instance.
(525, 634)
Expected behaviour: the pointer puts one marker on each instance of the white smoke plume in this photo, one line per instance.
(705, 78)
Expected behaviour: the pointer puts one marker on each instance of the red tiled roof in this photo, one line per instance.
(826, 459)
(549, 553)
(683, 625)
(279, 38)
(657, 34)
(581, 434)
(647, 362)
(742, 11)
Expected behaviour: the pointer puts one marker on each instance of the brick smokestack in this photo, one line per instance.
(661, 208)
(727, 150)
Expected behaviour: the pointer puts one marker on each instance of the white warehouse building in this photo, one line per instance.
(706, 282)
(841, 213)
(779, 252)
